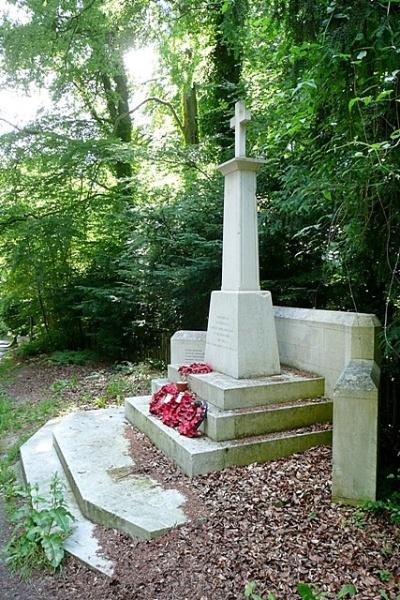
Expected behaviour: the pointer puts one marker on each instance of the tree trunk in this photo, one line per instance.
(117, 99)
(190, 126)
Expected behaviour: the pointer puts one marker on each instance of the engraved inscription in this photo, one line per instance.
(192, 354)
(222, 333)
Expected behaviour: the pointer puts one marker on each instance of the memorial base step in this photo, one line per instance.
(91, 454)
(40, 463)
(223, 425)
(297, 403)
(227, 393)
(198, 456)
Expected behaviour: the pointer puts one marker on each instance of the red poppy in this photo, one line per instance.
(178, 409)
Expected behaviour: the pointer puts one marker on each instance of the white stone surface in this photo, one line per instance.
(241, 338)
(188, 347)
(238, 123)
(240, 266)
(324, 341)
(227, 393)
(95, 454)
(40, 462)
(320, 341)
(355, 433)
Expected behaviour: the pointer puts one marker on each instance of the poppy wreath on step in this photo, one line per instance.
(182, 410)
(194, 369)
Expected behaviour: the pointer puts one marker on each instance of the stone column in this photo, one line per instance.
(241, 338)
(240, 268)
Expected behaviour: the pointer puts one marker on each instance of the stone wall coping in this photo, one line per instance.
(184, 334)
(329, 317)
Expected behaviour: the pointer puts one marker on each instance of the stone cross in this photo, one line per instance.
(238, 123)
(241, 339)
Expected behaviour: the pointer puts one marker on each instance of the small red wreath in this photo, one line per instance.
(195, 369)
(179, 409)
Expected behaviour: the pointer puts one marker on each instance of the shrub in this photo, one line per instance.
(73, 357)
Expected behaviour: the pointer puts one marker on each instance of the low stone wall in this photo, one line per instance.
(325, 341)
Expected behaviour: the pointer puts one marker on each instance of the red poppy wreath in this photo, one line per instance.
(181, 408)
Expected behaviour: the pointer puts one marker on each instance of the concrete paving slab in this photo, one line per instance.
(95, 454)
(39, 463)
(199, 456)
(226, 392)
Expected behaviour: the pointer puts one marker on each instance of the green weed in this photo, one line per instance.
(116, 388)
(7, 368)
(250, 591)
(100, 402)
(385, 576)
(15, 416)
(306, 591)
(358, 518)
(59, 385)
(389, 506)
(41, 526)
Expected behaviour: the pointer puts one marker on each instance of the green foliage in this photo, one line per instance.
(250, 592)
(306, 591)
(73, 357)
(7, 368)
(6, 416)
(15, 416)
(59, 385)
(117, 388)
(347, 591)
(111, 231)
(385, 575)
(358, 518)
(44, 344)
(41, 527)
(390, 505)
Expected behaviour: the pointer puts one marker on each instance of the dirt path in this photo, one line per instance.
(3, 347)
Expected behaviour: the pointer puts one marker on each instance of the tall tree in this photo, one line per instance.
(227, 19)
(76, 49)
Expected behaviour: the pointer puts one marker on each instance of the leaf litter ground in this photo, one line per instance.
(271, 523)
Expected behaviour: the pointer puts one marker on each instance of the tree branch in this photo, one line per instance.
(163, 103)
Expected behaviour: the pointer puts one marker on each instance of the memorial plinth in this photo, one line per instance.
(241, 338)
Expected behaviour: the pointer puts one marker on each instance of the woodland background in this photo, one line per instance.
(111, 229)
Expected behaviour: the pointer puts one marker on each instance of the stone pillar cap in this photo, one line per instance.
(241, 164)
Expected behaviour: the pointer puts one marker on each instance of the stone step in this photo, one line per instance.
(156, 384)
(227, 393)
(223, 425)
(201, 455)
(39, 463)
(94, 450)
